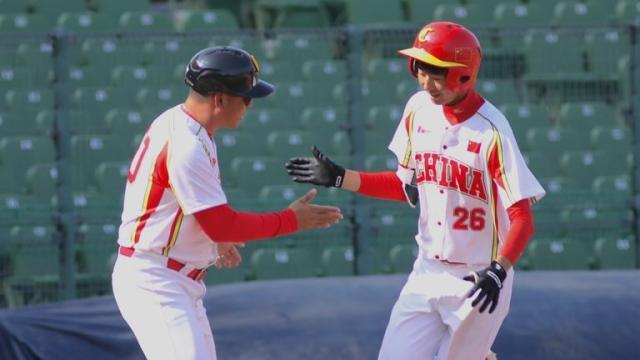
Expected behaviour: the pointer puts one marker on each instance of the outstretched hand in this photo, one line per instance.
(310, 216)
(318, 170)
(489, 281)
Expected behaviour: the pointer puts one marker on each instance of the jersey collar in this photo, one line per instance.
(184, 110)
(463, 110)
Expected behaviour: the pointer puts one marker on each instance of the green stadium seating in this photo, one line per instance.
(402, 258)
(387, 69)
(280, 71)
(281, 195)
(92, 208)
(324, 121)
(340, 145)
(384, 119)
(586, 164)
(145, 21)
(157, 99)
(262, 121)
(551, 140)
(139, 76)
(381, 163)
(200, 21)
(290, 14)
(559, 254)
(34, 251)
(572, 12)
(226, 276)
(170, 52)
(589, 221)
(284, 144)
(499, 91)
(582, 117)
(613, 140)
(123, 122)
(615, 253)
(99, 100)
(374, 12)
(517, 14)
(542, 165)
(554, 53)
(613, 186)
(289, 46)
(20, 152)
(523, 117)
(97, 246)
(18, 101)
(16, 78)
(85, 22)
(106, 52)
(377, 93)
(14, 6)
(111, 178)
(41, 181)
(232, 144)
(605, 48)
(88, 151)
(628, 12)
(282, 263)
(467, 15)
(52, 8)
(254, 172)
(115, 8)
(338, 261)
(421, 12)
(10, 23)
(249, 42)
(12, 124)
(37, 56)
(325, 70)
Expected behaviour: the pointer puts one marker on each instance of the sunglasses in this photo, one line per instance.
(246, 100)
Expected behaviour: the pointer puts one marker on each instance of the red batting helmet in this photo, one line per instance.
(447, 45)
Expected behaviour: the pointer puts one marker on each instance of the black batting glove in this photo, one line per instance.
(318, 170)
(489, 282)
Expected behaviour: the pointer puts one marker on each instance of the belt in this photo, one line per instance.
(173, 264)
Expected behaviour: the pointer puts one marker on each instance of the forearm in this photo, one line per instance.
(520, 231)
(383, 185)
(224, 224)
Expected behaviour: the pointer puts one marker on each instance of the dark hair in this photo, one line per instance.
(431, 69)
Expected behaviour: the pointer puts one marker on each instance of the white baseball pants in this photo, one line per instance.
(434, 319)
(164, 309)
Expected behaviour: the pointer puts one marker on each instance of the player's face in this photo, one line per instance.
(436, 86)
(234, 109)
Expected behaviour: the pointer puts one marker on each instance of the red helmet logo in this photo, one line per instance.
(448, 45)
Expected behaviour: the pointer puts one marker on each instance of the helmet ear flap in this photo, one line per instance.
(413, 67)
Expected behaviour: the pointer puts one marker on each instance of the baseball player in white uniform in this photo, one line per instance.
(474, 191)
(176, 222)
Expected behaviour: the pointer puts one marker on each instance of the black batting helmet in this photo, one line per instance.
(228, 70)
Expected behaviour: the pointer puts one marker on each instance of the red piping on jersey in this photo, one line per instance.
(224, 224)
(159, 181)
(382, 185)
(173, 233)
(184, 109)
(521, 229)
(464, 109)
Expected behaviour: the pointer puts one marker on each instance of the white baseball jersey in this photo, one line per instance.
(467, 175)
(173, 174)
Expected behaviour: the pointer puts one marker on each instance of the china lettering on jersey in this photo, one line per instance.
(467, 175)
(449, 173)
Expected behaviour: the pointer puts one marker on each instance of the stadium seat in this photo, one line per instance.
(53, 8)
(11, 23)
(467, 15)
(225, 275)
(115, 8)
(100, 100)
(374, 12)
(553, 141)
(14, 6)
(563, 49)
(157, 99)
(559, 254)
(290, 14)
(387, 70)
(41, 181)
(281, 195)
(334, 71)
(37, 56)
(34, 251)
(284, 144)
(200, 21)
(111, 178)
(249, 42)
(88, 151)
(421, 12)
(139, 76)
(402, 258)
(232, 144)
(281, 71)
(586, 115)
(384, 119)
(381, 163)
(124, 122)
(105, 52)
(613, 186)
(20, 152)
(572, 12)
(605, 48)
(140, 21)
(523, 117)
(518, 14)
(499, 91)
(338, 261)
(18, 101)
(588, 221)
(282, 263)
(613, 140)
(12, 78)
(254, 172)
(97, 246)
(542, 165)
(628, 12)
(291, 46)
(171, 51)
(615, 253)
(85, 22)
(324, 121)
(12, 124)
(262, 121)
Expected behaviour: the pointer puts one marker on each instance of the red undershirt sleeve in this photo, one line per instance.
(224, 224)
(382, 185)
(520, 231)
